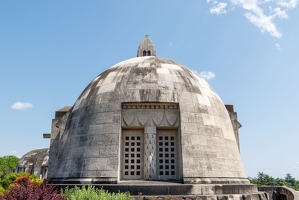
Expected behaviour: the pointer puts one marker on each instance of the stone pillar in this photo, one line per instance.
(150, 153)
(46, 173)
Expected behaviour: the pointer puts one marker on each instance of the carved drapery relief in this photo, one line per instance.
(142, 116)
(128, 116)
(157, 116)
(150, 115)
(171, 116)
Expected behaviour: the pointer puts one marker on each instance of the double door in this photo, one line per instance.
(166, 155)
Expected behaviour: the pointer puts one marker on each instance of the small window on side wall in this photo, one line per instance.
(144, 53)
(148, 53)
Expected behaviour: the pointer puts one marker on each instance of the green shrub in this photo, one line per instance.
(92, 193)
(5, 183)
(8, 180)
(14, 176)
(2, 190)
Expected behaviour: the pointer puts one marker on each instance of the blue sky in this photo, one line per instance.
(51, 50)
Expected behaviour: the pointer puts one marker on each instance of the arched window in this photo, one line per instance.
(148, 53)
(144, 53)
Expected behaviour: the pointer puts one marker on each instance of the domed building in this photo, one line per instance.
(34, 162)
(148, 120)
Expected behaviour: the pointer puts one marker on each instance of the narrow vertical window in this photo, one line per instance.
(144, 53)
(148, 53)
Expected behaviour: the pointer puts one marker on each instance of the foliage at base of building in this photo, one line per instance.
(24, 188)
(7, 182)
(91, 192)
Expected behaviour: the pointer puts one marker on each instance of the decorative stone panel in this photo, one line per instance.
(150, 114)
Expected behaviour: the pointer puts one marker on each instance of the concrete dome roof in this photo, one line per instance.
(33, 161)
(90, 144)
(148, 79)
(38, 157)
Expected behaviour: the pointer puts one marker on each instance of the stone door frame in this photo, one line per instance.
(152, 118)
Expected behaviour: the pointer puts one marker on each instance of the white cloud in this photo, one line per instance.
(278, 12)
(21, 106)
(218, 9)
(264, 22)
(277, 47)
(207, 75)
(266, 1)
(255, 13)
(288, 4)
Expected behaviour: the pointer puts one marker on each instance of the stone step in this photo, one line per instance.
(253, 196)
(162, 188)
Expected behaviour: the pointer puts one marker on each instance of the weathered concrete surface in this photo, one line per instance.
(34, 162)
(289, 193)
(234, 119)
(57, 129)
(146, 48)
(89, 146)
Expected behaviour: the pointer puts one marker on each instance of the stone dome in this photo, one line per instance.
(153, 100)
(34, 162)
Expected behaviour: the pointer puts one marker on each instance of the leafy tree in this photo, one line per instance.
(297, 185)
(8, 165)
(265, 179)
(289, 179)
(281, 182)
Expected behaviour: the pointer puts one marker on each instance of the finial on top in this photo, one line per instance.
(146, 47)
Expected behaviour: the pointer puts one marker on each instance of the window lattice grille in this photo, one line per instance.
(167, 156)
(133, 155)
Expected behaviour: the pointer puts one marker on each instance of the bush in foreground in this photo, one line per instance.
(9, 179)
(90, 192)
(24, 189)
(2, 190)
